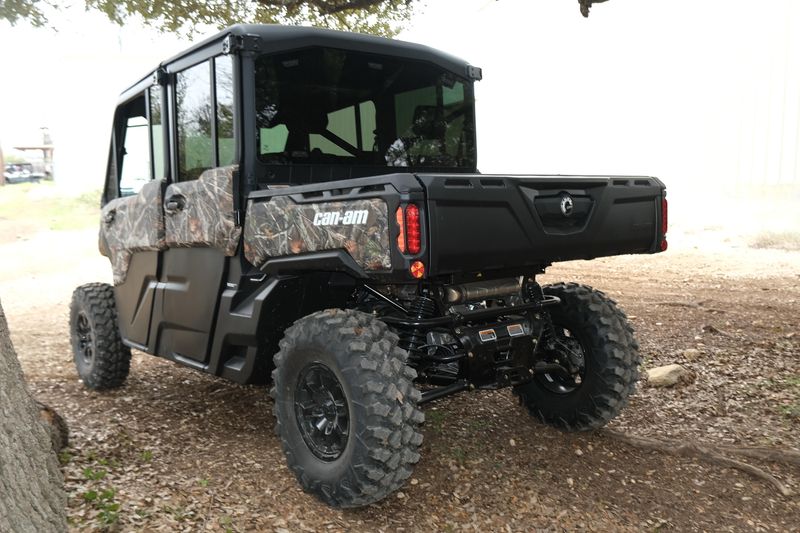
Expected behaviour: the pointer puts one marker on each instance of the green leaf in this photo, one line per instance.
(380, 17)
(94, 475)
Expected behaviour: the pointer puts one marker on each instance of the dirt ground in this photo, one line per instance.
(178, 450)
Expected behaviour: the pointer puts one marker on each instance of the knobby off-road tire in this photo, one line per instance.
(611, 356)
(102, 360)
(357, 358)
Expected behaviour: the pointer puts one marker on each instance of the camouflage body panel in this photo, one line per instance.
(132, 224)
(207, 220)
(282, 227)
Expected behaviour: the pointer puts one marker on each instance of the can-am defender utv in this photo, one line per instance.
(303, 206)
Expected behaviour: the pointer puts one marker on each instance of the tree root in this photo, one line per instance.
(712, 455)
(791, 457)
(692, 305)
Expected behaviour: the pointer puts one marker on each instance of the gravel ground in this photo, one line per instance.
(178, 450)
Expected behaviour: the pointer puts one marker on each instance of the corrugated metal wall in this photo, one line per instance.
(768, 136)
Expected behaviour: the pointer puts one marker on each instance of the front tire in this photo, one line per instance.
(345, 407)
(589, 324)
(102, 360)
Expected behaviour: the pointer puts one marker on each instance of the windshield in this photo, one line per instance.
(323, 105)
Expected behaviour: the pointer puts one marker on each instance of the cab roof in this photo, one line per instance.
(273, 38)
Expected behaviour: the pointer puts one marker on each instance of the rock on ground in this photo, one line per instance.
(668, 376)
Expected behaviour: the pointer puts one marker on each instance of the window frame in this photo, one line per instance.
(116, 158)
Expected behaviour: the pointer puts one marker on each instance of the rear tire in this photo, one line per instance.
(101, 359)
(345, 407)
(600, 329)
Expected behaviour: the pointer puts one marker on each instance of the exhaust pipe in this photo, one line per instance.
(482, 290)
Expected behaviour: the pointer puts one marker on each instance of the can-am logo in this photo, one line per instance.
(567, 204)
(334, 218)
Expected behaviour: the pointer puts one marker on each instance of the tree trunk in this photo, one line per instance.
(31, 485)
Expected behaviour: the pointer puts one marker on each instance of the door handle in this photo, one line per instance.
(175, 203)
(109, 217)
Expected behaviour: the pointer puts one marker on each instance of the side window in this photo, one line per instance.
(194, 116)
(205, 124)
(134, 157)
(226, 146)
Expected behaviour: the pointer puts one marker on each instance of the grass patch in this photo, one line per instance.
(459, 455)
(778, 240)
(480, 424)
(791, 384)
(65, 457)
(791, 411)
(435, 419)
(793, 381)
(46, 206)
(101, 498)
(94, 475)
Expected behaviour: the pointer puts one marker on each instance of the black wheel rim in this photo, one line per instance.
(320, 407)
(569, 351)
(83, 329)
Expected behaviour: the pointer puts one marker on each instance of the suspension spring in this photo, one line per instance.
(533, 292)
(422, 307)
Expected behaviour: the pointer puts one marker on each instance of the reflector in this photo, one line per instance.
(417, 269)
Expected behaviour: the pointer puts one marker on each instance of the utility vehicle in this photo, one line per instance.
(302, 207)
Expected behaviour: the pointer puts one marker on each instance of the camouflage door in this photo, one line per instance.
(201, 234)
(131, 235)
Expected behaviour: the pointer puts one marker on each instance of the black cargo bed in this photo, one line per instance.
(487, 222)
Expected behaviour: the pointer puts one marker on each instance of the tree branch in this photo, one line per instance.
(329, 9)
(324, 7)
(586, 4)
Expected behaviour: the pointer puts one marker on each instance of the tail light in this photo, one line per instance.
(409, 238)
(401, 237)
(413, 231)
(664, 224)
